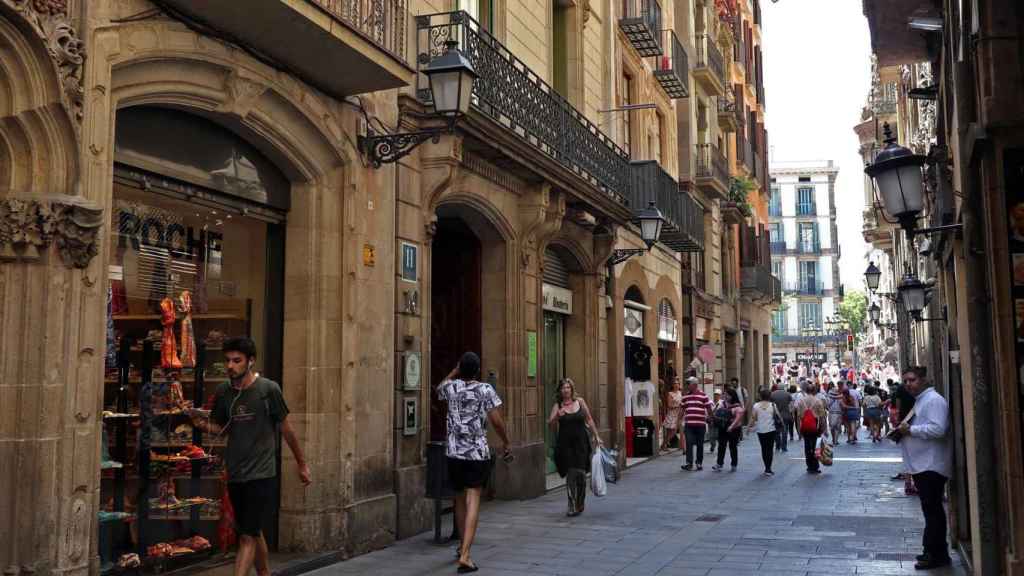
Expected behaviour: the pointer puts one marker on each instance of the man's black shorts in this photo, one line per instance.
(468, 473)
(251, 501)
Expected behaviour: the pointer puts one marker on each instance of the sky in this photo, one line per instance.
(817, 74)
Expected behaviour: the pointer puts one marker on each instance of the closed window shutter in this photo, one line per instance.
(555, 271)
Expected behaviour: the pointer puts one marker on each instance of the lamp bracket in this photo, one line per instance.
(388, 148)
(621, 255)
(935, 229)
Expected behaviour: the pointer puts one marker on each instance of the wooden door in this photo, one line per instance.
(455, 302)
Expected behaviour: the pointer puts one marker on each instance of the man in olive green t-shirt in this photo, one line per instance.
(250, 410)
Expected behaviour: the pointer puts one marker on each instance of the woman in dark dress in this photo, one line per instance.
(572, 422)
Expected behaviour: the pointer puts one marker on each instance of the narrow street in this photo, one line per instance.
(852, 519)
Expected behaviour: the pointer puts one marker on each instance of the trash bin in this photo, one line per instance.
(643, 437)
(439, 486)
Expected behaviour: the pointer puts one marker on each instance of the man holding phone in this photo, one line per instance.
(250, 410)
(470, 404)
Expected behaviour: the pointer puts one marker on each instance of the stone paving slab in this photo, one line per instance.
(660, 520)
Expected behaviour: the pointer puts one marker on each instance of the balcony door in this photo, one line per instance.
(808, 276)
(808, 237)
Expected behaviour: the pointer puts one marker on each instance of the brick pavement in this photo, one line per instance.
(660, 520)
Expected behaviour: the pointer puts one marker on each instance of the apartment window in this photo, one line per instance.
(810, 315)
(805, 201)
(808, 277)
(626, 99)
(808, 237)
(779, 322)
(777, 269)
(480, 10)
(775, 202)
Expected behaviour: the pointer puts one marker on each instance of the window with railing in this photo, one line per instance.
(810, 315)
(697, 265)
(777, 270)
(808, 238)
(775, 232)
(808, 277)
(805, 201)
(779, 322)
(775, 202)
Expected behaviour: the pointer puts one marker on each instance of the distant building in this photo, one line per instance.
(805, 257)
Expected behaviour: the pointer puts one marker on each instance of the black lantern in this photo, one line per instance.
(874, 311)
(900, 181)
(651, 221)
(451, 77)
(912, 293)
(871, 276)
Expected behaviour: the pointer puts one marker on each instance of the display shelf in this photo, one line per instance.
(180, 505)
(214, 316)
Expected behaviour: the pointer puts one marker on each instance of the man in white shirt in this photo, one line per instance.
(926, 455)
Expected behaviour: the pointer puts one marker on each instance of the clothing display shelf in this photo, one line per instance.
(155, 500)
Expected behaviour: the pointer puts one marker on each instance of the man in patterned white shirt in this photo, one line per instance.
(470, 405)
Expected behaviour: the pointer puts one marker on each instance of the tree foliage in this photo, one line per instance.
(853, 310)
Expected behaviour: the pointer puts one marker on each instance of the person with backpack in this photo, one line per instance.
(729, 418)
(812, 418)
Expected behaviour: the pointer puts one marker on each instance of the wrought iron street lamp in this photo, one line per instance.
(872, 276)
(451, 76)
(899, 178)
(651, 222)
(874, 311)
(913, 294)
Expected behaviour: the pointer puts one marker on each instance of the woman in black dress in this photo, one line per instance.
(571, 419)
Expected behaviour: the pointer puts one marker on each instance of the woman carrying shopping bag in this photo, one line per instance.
(571, 420)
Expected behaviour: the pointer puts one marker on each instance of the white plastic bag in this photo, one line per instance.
(609, 458)
(597, 484)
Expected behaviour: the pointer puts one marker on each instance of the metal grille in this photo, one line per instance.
(555, 271)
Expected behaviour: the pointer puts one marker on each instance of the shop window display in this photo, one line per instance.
(183, 276)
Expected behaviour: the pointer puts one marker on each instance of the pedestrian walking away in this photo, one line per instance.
(712, 429)
(673, 414)
(783, 401)
(470, 404)
(763, 422)
(873, 413)
(835, 413)
(571, 420)
(729, 418)
(811, 425)
(697, 408)
(924, 440)
(251, 411)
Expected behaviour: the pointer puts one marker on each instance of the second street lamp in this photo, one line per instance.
(651, 221)
(874, 312)
(872, 276)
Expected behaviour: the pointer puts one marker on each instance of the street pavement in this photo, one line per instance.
(658, 519)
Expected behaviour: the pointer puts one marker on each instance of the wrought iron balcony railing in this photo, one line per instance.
(777, 247)
(712, 164)
(382, 21)
(806, 209)
(727, 118)
(710, 64)
(511, 94)
(809, 247)
(683, 230)
(806, 287)
(758, 282)
(641, 23)
(672, 69)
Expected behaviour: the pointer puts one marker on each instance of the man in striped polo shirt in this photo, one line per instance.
(696, 410)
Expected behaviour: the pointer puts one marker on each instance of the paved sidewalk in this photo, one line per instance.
(660, 520)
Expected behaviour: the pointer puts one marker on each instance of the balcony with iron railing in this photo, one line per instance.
(536, 116)
(806, 209)
(641, 23)
(362, 40)
(709, 69)
(727, 113)
(758, 283)
(672, 68)
(683, 229)
(778, 247)
(712, 170)
(805, 287)
(808, 247)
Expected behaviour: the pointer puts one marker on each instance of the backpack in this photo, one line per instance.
(808, 422)
(723, 416)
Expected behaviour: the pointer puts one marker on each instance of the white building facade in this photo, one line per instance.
(805, 257)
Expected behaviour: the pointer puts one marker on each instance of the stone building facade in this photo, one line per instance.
(153, 148)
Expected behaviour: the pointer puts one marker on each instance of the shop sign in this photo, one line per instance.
(140, 226)
(410, 416)
(556, 299)
(531, 354)
(410, 262)
(411, 370)
(633, 323)
(779, 357)
(813, 357)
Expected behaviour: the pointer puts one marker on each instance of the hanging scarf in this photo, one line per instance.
(188, 340)
(168, 350)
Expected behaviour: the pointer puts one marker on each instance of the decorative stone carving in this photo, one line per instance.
(28, 226)
(242, 92)
(49, 19)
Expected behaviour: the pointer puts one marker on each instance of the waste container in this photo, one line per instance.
(643, 437)
(439, 487)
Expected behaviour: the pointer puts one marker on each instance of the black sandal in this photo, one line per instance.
(466, 569)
